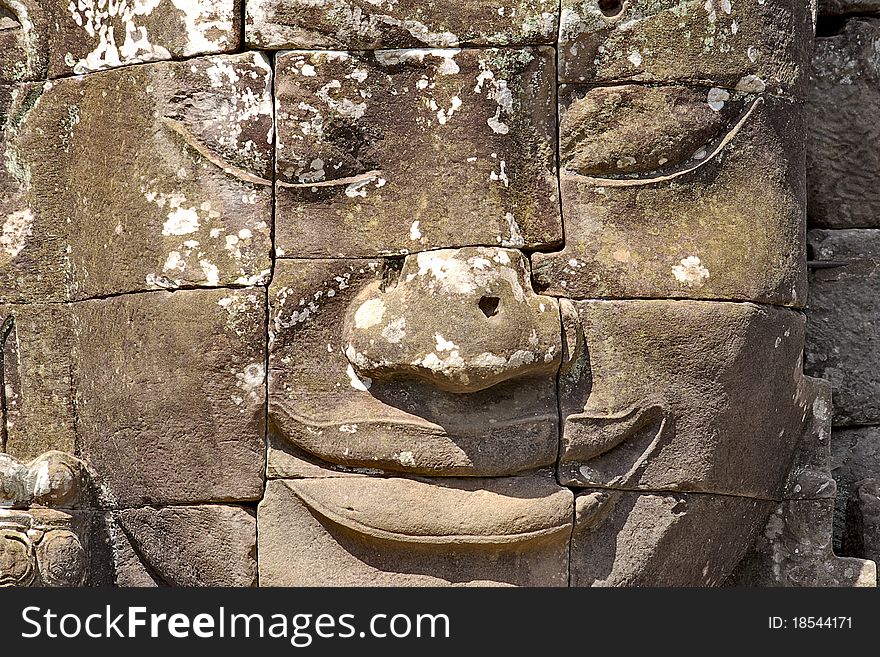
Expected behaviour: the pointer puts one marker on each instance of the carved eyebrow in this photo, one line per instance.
(633, 182)
(214, 159)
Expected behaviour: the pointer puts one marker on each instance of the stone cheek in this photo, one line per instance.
(748, 45)
(407, 150)
(358, 25)
(200, 545)
(59, 37)
(652, 218)
(665, 395)
(319, 403)
(196, 216)
(170, 392)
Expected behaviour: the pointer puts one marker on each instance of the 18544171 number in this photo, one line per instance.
(810, 623)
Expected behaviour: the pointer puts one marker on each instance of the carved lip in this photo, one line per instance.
(483, 512)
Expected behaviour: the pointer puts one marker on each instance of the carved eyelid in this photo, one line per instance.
(648, 179)
(8, 19)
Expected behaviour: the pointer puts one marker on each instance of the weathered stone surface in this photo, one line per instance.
(37, 412)
(666, 539)
(843, 102)
(57, 37)
(91, 210)
(32, 247)
(707, 204)
(401, 422)
(24, 50)
(367, 531)
(187, 546)
(683, 395)
(170, 395)
(810, 475)
(750, 45)
(862, 537)
(842, 7)
(795, 550)
(406, 150)
(843, 339)
(360, 25)
(855, 457)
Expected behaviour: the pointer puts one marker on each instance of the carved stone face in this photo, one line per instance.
(527, 281)
(441, 415)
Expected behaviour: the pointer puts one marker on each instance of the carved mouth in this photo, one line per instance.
(450, 512)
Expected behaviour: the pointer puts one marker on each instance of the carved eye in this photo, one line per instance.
(8, 20)
(632, 131)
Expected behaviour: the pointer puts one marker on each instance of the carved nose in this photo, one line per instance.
(462, 319)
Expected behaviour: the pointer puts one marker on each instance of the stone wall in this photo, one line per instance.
(843, 182)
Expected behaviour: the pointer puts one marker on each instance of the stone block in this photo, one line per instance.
(186, 546)
(407, 150)
(707, 203)
(843, 7)
(720, 43)
(93, 211)
(855, 457)
(37, 410)
(684, 395)
(843, 339)
(843, 101)
(58, 37)
(351, 403)
(359, 25)
(862, 536)
(795, 550)
(624, 538)
(368, 531)
(170, 395)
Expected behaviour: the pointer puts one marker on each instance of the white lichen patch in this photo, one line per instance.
(414, 232)
(252, 380)
(395, 331)
(181, 221)
(358, 383)
(123, 31)
(17, 227)
(369, 313)
(716, 98)
(691, 272)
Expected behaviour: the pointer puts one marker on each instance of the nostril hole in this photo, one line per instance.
(489, 305)
(611, 8)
